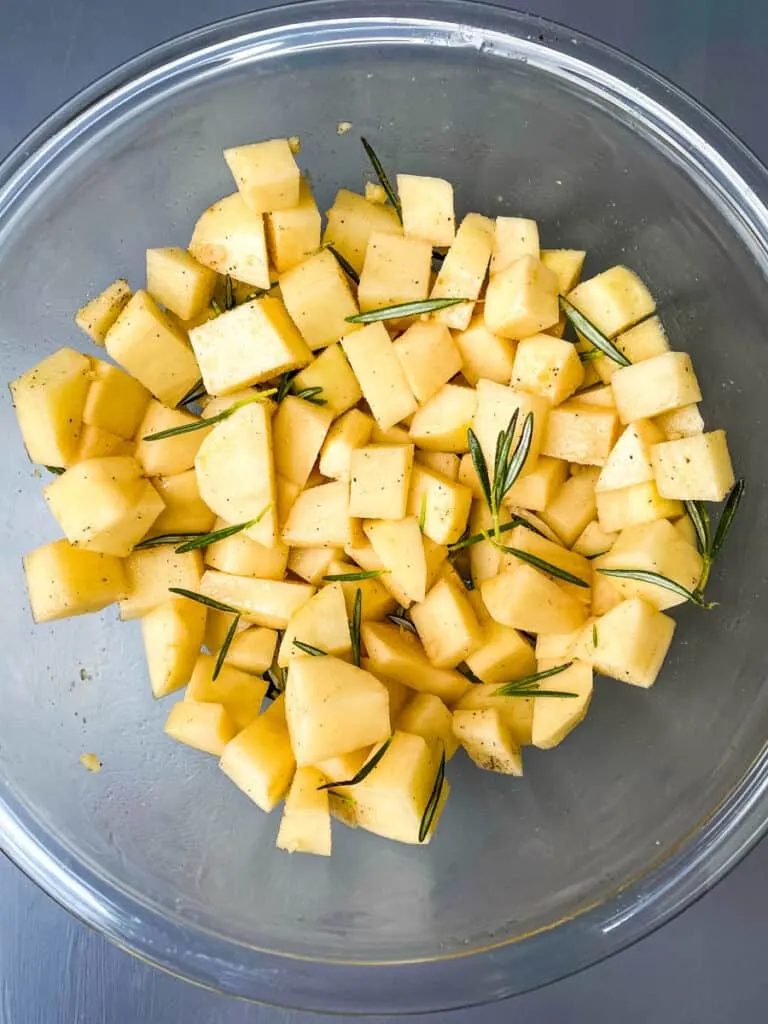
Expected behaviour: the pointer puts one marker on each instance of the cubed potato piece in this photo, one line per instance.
(231, 239)
(525, 540)
(566, 264)
(632, 642)
(319, 518)
(375, 193)
(217, 627)
(152, 349)
(399, 545)
(239, 693)
(319, 299)
(185, 511)
(446, 505)
(513, 238)
(516, 713)
(655, 386)
(305, 826)
(425, 715)
(447, 625)
(96, 443)
(399, 695)
(332, 707)
(380, 480)
(331, 372)
(241, 556)
(555, 717)
(394, 435)
(293, 234)
(496, 405)
(686, 529)
(522, 300)
(557, 648)
(601, 396)
(151, 572)
(427, 208)
(168, 455)
(613, 300)
(696, 468)
(463, 271)
(547, 366)
(538, 488)
(311, 564)
(205, 727)
(298, 431)
(396, 270)
(488, 741)
(468, 476)
(252, 650)
(484, 354)
(593, 540)
(259, 760)
(428, 357)
(235, 472)
(213, 407)
(573, 506)
(100, 312)
(374, 361)
(376, 600)
(503, 655)
(640, 503)
(630, 459)
(351, 222)
(397, 654)
(270, 603)
(173, 635)
(63, 581)
(343, 767)
(49, 400)
(643, 341)
(604, 594)
(653, 547)
(580, 433)
(526, 599)
(441, 424)
(683, 422)
(485, 559)
(445, 464)
(266, 174)
(115, 401)
(248, 344)
(322, 623)
(177, 281)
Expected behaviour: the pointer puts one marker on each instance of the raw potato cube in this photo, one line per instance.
(298, 432)
(248, 344)
(441, 424)
(376, 601)
(321, 622)
(425, 715)
(375, 193)
(655, 386)
(446, 505)
(259, 760)
(394, 435)
(547, 366)
(241, 556)
(632, 642)
(399, 545)
(205, 727)
(522, 300)
(427, 207)
(526, 599)
(397, 654)
(350, 431)
(503, 655)
(496, 405)
(96, 443)
(351, 222)
(573, 507)
(177, 281)
(311, 564)
(463, 271)
(605, 595)
(683, 422)
(613, 300)
(593, 540)
(185, 511)
(173, 635)
(239, 693)
(49, 401)
(398, 693)
(580, 433)
(485, 559)
(428, 357)
(601, 396)
(513, 238)
(319, 518)
(98, 315)
(217, 625)
(555, 717)
(331, 372)
(694, 468)
(153, 350)
(231, 239)
(523, 539)
(319, 299)
(149, 574)
(640, 503)
(566, 264)
(332, 708)
(266, 174)
(537, 489)
(115, 401)
(252, 650)
(630, 459)
(516, 713)
(653, 547)
(488, 741)
(380, 479)
(684, 526)
(305, 826)
(374, 361)
(294, 234)
(168, 455)
(63, 580)
(643, 341)
(396, 270)
(270, 603)
(235, 472)
(445, 464)
(447, 625)
(484, 354)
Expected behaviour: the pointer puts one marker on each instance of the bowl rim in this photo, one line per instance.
(723, 164)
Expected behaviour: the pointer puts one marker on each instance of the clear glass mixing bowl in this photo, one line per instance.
(657, 793)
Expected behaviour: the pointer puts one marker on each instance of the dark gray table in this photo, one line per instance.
(709, 965)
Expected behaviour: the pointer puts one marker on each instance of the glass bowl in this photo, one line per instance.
(658, 793)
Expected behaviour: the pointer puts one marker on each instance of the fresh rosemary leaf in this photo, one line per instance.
(162, 539)
(400, 620)
(220, 658)
(539, 563)
(527, 686)
(434, 800)
(592, 334)
(229, 298)
(201, 424)
(195, 393)
(56, 470)
(478, 461)
(501, 460)
(364, 772)
(354, 628)
(353, 577)
(727, 517)
(587, 357)
(345, 265)
(203, 540)
(699, 516)
(519, 456)
(694, 596)
(403, 309)
(381, 174)
(309, 649)
(477, 538)
(284, 386)
(423, 512)
(210, 602)
(311, 395)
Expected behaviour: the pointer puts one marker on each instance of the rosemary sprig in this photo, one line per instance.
(201, 424)
(353, 577)
(540, 563)
(221, 656)
(433, 802)
(592, 334)
(195, 393)
(312, 395)
(56, 470)
(309, 649)
(400, 620)
(726, 519)
(203, 540)
(508, 464)
(478, 538)
(699, 516)
(710, 547)
(209, 602)
(364, 772)
(381, 174)
(345, 265)
(163, 539)
(528, 685)
(354, 626)
(423, 512)
(283, 388)
(694, 596)
(403, 309)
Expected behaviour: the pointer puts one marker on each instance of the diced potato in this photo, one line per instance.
(522, 300)
(376, 601)
(352, 221)
(399, 545)
(343, 767)
(331, 372)
(376, 366)
(556, 648)
(169, 455)
(427, 207)
(63, 581)
(248, 344)
(205, 727)
(177, 281)
(526, 599)
(447, 625)
(287, 493)
(441, 424)
(115, 401)
(580, 433)
(566, 264)
(241, 556)
(350, 431)
(516, 713)
(428, 357)
(269, 603)
(468, 475)
(319, 299)
(484, 354)
(266, 174)
(332, 707)
(523, 539)
(632, 642)
(601, 396)
(149, 573)
(294, 234)
(49, 400)
(173, 634)
(311, 564)
(217, 626)
(252, 650)
(380, 480)
(445, 504)
(484, 558)
(185, 511)
(152, 349)
(630, 459)
(488, 741)
(259, 760)
(613, 300)
(96, 443)
(305, 826)
(640, 503)
(321, 622)
(425, 715)
(299, 430)
(319, 518)
(375, 193)
(538, 488)
(394, 435)
(683, 422)
(463, 271)
(98, 314)
(399, 695)
(231, 239)
(686, 529)
(445, 464)
(696, 468)
(503, 655)
(496, 406)
(514, 237)
(573, 507)
(645, 340)
(396, 270)
(605, 595)
(239, 693)
(555, 717)
(397, 654)
(655, 386)
(593, 540)
(547, 366)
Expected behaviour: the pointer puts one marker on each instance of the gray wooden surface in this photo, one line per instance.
(709, 965)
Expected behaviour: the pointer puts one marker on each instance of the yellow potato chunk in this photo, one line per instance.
(241, 556)
(169, 455)
(484, 354)
(63, 580)
(643, 341)
(525, 540)
(580, 433)
(115, 401)
(318, 297)
(538, 488)
(98, 314)
(173, 635)
(601, 396)
(526, 599)
(445, 504)
(427, 207)
(269, 603)
(298, 431)
(374, 361)
(513, 238)
(379, 481)
(629, 461)
(566, 265)
(447, 625)
(593, 540)
(684, 526)
(349, 432)
(96, 443)
(185, 511)
(231, 239)
(311, 564)
(445, 464)
(696, 468)
(613, 300)
(149, 574)
(441, 424)
(376, 601)
(573, 507)
(503, 654)
(266, 174)
(516, 713)
(293, 234)
(555, 717)
(397, 654)
(488, 741)
(177, 281)
(428, 357)
(305, 826)
(351, 222)
(655, 386)
(252, 650)
(259, 760)
(425, 715)
(683, 422)
(496, 405)
(319, 518)
(399, 545)
(239, 693)
(463, 271)
(205, 727)
(217, 626)
(640, 503)
(547, 366)
(522, 300)
(331, 372)
(322, 623)
(632, 641)
(396, 270)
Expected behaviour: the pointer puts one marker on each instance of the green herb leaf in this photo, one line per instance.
(220, 658)
(400, 620)
(726, 519)
(587, 357)
(345, 265)
(364, 772)
(210, 602)
(467, 671)
(519, 456)
(592, 334)
(403, 309)
(195, 393)
(309, 649)
(528, 685)
(694, 596)
(381, 174)
(203, 540)
(216, 307)
(286, 380)
(354, 628)
(163, 539)
(311, 395)
(478, 538)
(699, 516)
(434, 800)
(201, 424)
(423, 512)
(539, 563)
(353, 577)
(478, 461)
(56, 470)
